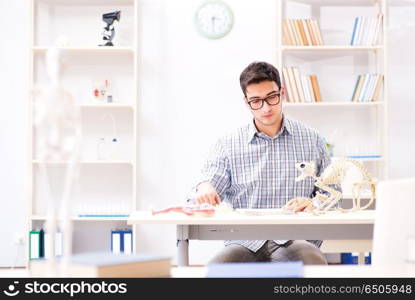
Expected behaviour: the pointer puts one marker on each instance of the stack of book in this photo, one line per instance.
(367, 88)
(301, 32)
(366, 30)
(104, 264)
(300, 88)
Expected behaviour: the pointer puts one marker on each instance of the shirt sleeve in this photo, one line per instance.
(215, 170)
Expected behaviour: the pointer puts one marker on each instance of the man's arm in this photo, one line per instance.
(215, 178)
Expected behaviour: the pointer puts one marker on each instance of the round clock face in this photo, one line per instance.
(214, 19)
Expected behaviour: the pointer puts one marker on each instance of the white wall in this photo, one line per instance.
(14, 60)
(402, 91)
(189, 96)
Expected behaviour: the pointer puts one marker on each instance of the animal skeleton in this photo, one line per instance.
(334, 174)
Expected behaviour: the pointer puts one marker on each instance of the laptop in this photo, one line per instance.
(394, 229)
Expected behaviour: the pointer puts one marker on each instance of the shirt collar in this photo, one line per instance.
(252, 130)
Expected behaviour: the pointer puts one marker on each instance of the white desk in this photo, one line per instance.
(235, 226)
(332, 271)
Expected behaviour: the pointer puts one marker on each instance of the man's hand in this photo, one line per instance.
(299, 204)
(206, 193)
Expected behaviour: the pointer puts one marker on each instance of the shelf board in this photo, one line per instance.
(331, 103)
(96, 49)
(336, 2)
(407, 3)
(87, 2)
(75, 218)
(101, 162)
(107, 105)
(362, 158)
(331, 48)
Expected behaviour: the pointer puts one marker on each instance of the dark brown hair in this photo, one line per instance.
(257, 72)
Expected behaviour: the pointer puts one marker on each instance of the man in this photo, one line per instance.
(254, 167)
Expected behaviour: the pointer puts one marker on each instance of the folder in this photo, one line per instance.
(128, 242)
(122, 241)
(116, 241)
(34, 244)
(58, 244)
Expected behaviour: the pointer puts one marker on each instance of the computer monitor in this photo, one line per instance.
(394, 229)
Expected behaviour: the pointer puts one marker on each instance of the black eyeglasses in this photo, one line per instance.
(273, 99)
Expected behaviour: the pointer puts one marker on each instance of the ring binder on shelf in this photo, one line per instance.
(121, 241)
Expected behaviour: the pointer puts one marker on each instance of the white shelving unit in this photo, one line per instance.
(354, 128)
(105, 186)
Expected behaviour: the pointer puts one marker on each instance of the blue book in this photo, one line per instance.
(358, 33)
(256, 270)
(364, 87)
(354, 32)
(364, 156)
(103, 215)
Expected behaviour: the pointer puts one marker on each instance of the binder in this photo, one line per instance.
(41, 243)
(128, 242)
(122, 241)
(58, 244)
(116, 241)
(34, 244)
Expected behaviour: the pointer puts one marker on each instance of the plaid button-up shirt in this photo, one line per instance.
(249, 169)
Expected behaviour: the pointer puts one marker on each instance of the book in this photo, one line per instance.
(287, 84)
(364, 31)
(291, 77)
(256, 270)
(300, 89)
(313, 37)
(301, 32)
(310, 88)
(352, 42)
(359, 88)
(317, 31)
(307, 32)
(371, 31)
(365, 91)
(287, 38)
(378, 88)
(371, 88)
(378, 26)
(106, 264)
(304, 83)
(358, 31)
(295, 32)
(364, 87)
(355, 87)
(316, 88)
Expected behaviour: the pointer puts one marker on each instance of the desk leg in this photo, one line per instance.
(182, 245)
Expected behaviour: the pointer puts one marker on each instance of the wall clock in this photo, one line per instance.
(214, 19)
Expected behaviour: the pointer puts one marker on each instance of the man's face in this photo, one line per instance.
(267, 115)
